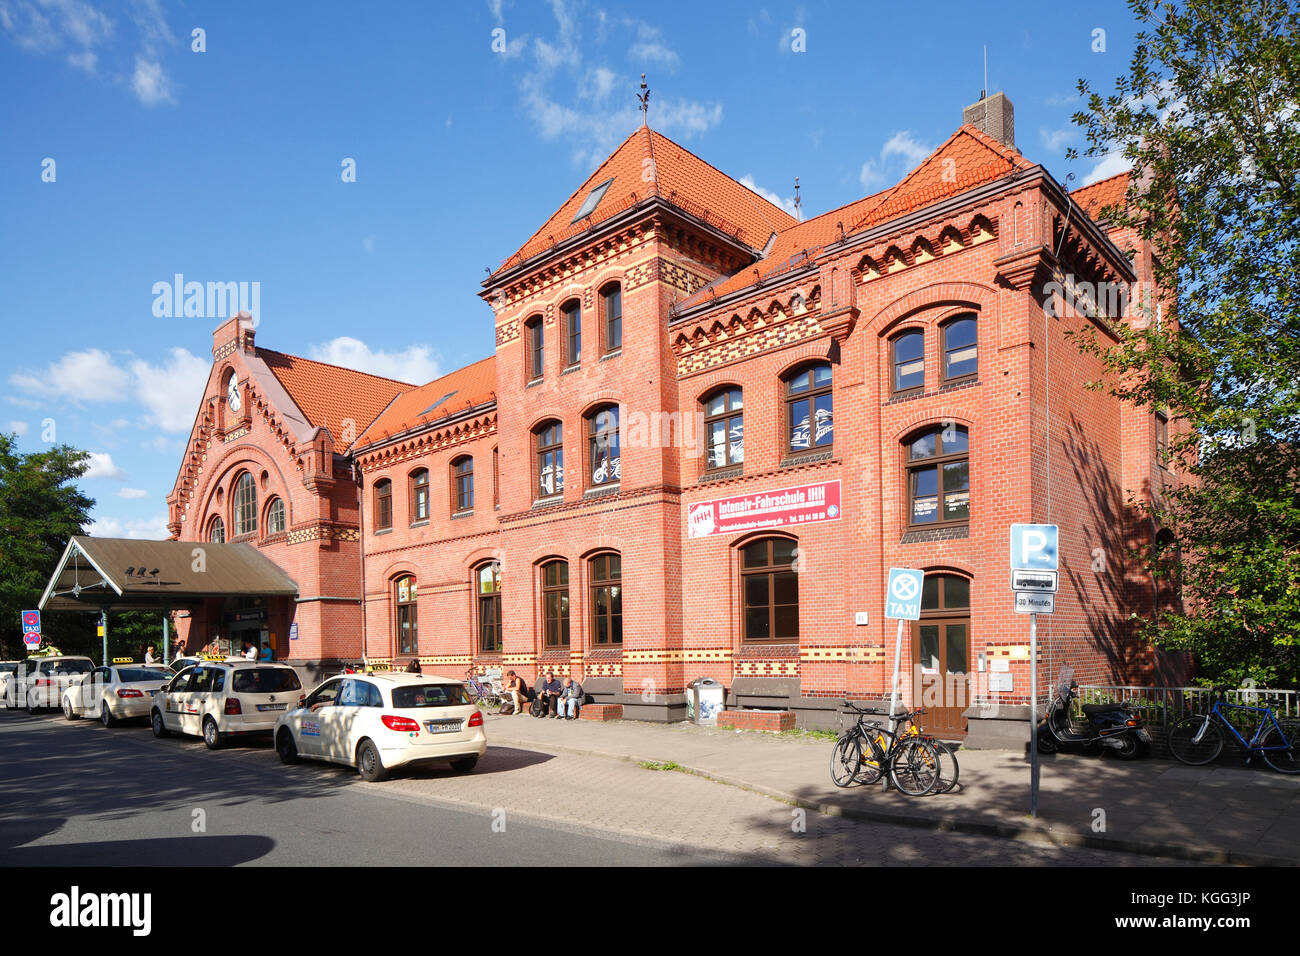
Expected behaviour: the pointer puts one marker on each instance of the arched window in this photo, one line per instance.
(383, 504)
(960, 350)
(245, 504)
(408, 636)
(938, 476)
(724, 426)
(908, 359)
(420, 495)
(769, 586)
(462, 484)
(602, 438)
(548, 442)
(809, 406)
(275, 516)
(555, 603)
(487, 586)
(606, 599)
(534, 338)
(611, 303)
(217, 532)
(572, 314)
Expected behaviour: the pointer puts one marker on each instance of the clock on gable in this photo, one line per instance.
(232, 394)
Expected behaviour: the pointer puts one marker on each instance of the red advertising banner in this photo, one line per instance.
(765, 509)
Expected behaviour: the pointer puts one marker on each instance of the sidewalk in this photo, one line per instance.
(1224, 813)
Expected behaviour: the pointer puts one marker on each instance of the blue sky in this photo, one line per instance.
(226, 165)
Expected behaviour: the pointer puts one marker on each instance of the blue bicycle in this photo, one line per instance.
(1198, 739)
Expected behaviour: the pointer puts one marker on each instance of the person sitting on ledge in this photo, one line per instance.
(571, 699)
(548, 694)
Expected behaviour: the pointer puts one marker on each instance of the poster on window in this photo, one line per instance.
(785, 508)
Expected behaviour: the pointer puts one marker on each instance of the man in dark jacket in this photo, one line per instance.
(548, 693)
(571, 699)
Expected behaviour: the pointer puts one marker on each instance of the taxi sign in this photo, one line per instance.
(903, 598)
(31, 622)
(212, 657)
(378, 667)
(123, 660)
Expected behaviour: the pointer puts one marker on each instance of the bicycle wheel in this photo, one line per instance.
(948, 769)
(845, 759)
(1283, 761)
(914, 767)
(1184, 745)
(869, 766)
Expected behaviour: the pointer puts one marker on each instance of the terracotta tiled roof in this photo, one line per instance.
(1105, 192)
(328, 394)
(454, 392)
(968, 158)
(650, 164)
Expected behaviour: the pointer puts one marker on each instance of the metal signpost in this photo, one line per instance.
(1035, 559)
(903, 603)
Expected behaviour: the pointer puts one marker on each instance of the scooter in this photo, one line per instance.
(1113, 727)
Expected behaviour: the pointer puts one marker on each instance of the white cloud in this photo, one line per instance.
(18, 428)
(415, 364)
(368, 243)
(151, 529)
(89, 376)
(1055, 140)
(1112, 164)
(650, 46)
(871, 177)
(149, 82)
(904, 144)
(101, 466)
(783, 202)
(901, 145)
(171, 391)
(132, 493)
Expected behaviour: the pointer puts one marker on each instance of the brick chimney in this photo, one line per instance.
(236, 333)
(995, 116)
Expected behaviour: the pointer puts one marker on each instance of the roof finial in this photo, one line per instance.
(644, 98)
(797, 201)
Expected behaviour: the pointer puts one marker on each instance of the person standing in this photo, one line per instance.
(250, 652)
(571, 699)
(149, 655)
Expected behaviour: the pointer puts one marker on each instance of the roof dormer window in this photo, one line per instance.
(592, 201)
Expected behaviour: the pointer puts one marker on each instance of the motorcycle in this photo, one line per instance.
(1114, 727)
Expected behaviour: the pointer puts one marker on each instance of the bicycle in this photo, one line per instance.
(947, 756)
(1198, 739)
(861, 753)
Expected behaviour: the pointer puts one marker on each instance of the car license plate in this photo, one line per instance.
(270, 706)
(444, 726)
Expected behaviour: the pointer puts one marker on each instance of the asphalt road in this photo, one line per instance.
(80, 795)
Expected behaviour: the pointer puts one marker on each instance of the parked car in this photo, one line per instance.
(39, 682)
(189, 660)
(215, 699)
(7, 669)
(376, 722)
(115, 693)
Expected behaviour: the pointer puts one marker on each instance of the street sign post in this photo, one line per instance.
(902, 602)
(1035, 560)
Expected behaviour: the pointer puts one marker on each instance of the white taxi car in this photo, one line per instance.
(215, 699)
(115, 693)
(7, 669)
(376, 722)
(40, 681)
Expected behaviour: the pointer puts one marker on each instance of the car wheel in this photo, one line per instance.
(106, 716)
(68, 712)
(285, 746)
(369, 765)
(159, 728)
(211, 736)
(465, 764)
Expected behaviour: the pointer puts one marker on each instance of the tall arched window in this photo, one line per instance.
(769, 587)
(534, 339)
(555, 604)
(606, 599)
(611, 302)
(724, 428)
(938, 476)
(810, 407)
(462, 484)
(548, 442)
(217, 533)
(275, 516)
(383, 504)
(605, 457)
(420, 495)
(245, 502)
(960, 351)
(572, 313)
(908, 359)
(487, 586)
(408, 636)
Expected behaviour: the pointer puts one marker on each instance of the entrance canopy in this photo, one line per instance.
(129, 574)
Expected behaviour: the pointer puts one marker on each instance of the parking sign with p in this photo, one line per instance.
(1034, 547)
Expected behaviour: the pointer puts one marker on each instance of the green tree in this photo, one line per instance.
(41, 507)
(1207, 117)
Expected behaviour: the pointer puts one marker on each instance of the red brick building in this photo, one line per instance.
(759, 416)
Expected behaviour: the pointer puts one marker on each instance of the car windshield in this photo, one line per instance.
(265, 680)
(430, 695)
(71, 667)
(8, 667)
(129, 675)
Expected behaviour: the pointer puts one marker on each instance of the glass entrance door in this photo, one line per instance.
(942, 642)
